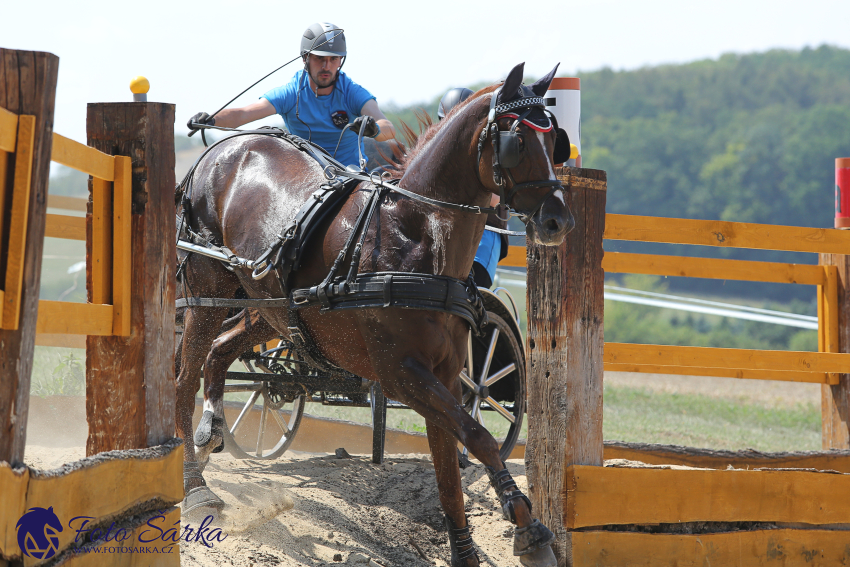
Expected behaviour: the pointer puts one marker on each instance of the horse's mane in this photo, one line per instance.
(427, 130)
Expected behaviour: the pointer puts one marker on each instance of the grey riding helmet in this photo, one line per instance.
(452, 99)
(323, 39)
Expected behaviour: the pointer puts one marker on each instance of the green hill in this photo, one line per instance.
(748, 138)
(744, 138)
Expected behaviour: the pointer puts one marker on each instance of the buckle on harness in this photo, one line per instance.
(295, 335)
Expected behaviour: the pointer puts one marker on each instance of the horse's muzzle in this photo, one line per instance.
(549, 228)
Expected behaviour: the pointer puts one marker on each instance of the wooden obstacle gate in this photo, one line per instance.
(758, 512)
(132, 476)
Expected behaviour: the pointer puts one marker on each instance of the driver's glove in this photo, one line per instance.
(371, 129)
(200, 118)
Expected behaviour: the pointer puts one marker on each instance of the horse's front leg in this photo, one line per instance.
(201, 325)
(410, 380)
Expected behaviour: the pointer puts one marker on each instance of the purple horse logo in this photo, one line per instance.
(37, 533)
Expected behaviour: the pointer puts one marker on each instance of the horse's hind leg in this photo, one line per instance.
(245, 330)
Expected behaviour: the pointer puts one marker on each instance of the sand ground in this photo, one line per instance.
(308, 509)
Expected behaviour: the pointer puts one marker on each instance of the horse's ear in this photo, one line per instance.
(511, 88)
(541, 86)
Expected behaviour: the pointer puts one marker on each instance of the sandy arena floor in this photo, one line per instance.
(313, 510)
(309, 509)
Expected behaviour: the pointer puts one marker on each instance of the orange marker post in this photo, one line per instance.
(563, 99)
(842, 192)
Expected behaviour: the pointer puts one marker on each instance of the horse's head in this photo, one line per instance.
(518, 141)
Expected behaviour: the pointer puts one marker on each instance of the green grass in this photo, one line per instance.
(630, 414)
(637, 415)
(404, 419)
(58, 372)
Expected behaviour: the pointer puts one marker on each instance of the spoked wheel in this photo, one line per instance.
(494, 392)
(279, 415)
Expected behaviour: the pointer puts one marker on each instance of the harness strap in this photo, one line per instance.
(399, 289)
(240, 303)
(504, 231)
(305, 346)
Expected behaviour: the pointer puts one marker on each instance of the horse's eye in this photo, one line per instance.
(521, 141)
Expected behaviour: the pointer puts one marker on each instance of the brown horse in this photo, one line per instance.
(247, 188)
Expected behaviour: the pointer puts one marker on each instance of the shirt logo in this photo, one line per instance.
(340, 119)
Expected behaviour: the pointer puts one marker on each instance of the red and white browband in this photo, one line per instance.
(527, 122)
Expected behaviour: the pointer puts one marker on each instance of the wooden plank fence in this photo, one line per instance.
(134, 469)
(605, 516)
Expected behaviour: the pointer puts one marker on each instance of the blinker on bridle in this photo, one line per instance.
(507, 153)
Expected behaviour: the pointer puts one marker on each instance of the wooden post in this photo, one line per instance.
(835, 399)
(27, 87)
(130, 389)
(564, 354)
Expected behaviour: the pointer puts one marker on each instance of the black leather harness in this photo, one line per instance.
(354, 291)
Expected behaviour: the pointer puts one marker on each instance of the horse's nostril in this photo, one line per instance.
(551, 225)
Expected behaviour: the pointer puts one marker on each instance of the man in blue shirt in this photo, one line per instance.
(318, 102)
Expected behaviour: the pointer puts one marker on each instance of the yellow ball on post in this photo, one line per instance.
(140, 86)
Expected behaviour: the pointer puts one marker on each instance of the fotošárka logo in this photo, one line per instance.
(38, 537)
(37, 533)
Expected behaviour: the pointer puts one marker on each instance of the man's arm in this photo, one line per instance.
(387, 128)
(236, 117)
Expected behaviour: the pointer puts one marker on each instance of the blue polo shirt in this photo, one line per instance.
(327, 115)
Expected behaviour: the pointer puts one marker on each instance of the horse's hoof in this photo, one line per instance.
(208, 428)
(201, 497)
(533, 538)
(543, 557)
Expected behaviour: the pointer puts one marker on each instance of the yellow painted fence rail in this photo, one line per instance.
(821, 367)
(109, 313)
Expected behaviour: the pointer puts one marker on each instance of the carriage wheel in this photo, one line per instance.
(494, 393)
(279, 416)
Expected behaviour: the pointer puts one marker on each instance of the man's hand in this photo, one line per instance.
(371, 128)
(200, 118)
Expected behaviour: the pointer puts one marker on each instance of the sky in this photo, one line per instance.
(198, 55)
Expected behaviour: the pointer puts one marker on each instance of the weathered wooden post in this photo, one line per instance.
(130, 389)
(28, 91)
(835, 399)
(564, 354)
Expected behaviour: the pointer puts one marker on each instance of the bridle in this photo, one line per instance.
(507, 153)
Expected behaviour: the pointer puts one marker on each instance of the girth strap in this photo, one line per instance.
(398, 289)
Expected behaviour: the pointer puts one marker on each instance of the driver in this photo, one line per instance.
(318, 102)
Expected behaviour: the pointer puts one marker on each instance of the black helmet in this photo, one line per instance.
(452, 99)
(327, 39)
